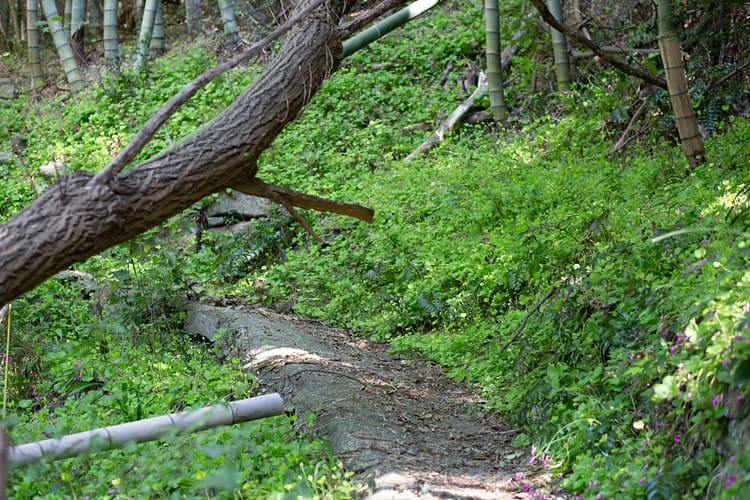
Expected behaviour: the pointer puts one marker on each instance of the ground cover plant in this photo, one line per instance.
(629, 378)
(87, 354)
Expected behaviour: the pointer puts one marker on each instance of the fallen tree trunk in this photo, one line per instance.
(77, 218)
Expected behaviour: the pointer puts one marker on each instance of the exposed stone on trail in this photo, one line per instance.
(404, 428)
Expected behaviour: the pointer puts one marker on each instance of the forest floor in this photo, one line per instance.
(398, 422)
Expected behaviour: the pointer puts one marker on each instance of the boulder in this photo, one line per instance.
(240, 206)
(53, 169)
(240, 227)
(8, 88)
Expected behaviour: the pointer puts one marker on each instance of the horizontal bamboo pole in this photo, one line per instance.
(149, 429)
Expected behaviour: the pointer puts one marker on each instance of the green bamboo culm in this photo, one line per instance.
(679, 94)
(32, 39)
(147, 30)
(77, 16)
(230, 26)
(559, 47)
(111, 48)
(69, 63)
(67, 9)
(494, 61)
(390, 23)
(158, 42)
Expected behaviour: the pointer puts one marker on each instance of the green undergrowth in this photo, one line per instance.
(631, 376)
(598, 299)
(100, 361)
(103, 347)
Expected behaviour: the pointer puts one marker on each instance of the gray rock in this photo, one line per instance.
(8, 88)
(240, 206)
(240, 227)
(53, 169)
(5, 156)
(216, 221)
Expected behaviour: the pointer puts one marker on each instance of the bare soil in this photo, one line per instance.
(406, 429)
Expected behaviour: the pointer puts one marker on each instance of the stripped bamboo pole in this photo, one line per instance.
(149, 429)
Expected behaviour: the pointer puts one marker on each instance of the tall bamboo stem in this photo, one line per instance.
(687, 123)
(111, 47)
(69, 63)
(32, 40)
(494, 63)
(227, 17)
(158, 44)
(559, 47)
(147, 30)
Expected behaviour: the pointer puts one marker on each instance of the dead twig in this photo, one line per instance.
(718, 83)
(534, 309)
(621, 142)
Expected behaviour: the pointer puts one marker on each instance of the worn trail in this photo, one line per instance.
(405, 428)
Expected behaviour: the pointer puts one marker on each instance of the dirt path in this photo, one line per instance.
(405, 428)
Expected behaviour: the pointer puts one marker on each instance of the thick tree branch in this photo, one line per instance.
(573, 33)
(76, 218)
(154, 123)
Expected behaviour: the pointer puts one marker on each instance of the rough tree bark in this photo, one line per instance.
(77, 218)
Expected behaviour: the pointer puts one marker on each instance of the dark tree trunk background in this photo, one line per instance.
(76, 218)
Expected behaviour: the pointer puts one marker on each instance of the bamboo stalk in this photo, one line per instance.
(559, 47)
(147, 31)
(158, 44)
(227, 18)
(111, 49)
(32, 29)
(69, 63)
(494, 64)
(390, 23)
(686, 121)
(149, 429)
